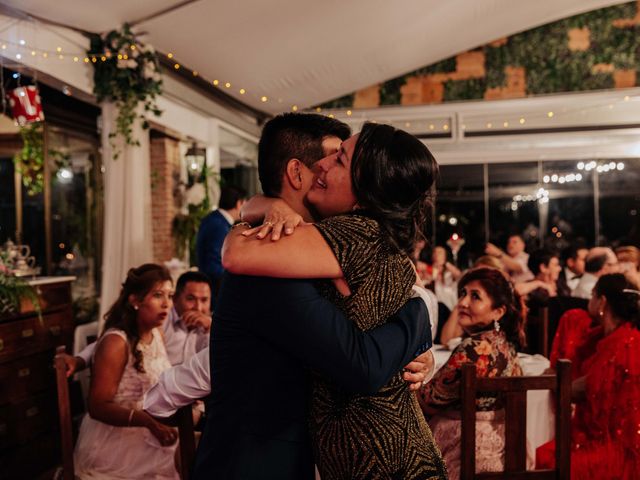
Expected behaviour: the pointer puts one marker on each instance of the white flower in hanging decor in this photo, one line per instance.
(126, 73)
(196, 194)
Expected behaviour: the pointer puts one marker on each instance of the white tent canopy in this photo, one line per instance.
(307, 52)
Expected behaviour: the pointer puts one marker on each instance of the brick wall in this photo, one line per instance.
(165, 165)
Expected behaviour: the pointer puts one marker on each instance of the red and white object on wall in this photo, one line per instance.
(26, 105)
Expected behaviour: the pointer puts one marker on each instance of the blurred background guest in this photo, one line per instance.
(544, 264)
(605, 433)
(491, 314)
(573, 258)
(599, 261)
(515, 260)
(444, 277)
(629, 260)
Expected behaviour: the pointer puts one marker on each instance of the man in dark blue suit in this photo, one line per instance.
(212, 232)
(267, 333)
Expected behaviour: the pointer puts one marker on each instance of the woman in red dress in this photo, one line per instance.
(605, 430)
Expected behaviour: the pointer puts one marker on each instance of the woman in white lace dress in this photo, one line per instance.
(118, 440)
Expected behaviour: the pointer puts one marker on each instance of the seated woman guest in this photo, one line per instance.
(444, 275)
(117, 439)
(492, 316)
(605, 430)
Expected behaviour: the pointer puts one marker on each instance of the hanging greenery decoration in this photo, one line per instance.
(127, 73)
(29, 161)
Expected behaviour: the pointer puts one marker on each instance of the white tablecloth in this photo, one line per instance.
(540, 416)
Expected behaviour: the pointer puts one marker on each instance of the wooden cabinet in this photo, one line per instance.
(29, 442)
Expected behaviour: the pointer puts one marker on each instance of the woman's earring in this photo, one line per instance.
(601, 313)
(496, 325)
(136, 307)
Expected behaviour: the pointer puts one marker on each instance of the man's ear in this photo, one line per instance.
(293, 173)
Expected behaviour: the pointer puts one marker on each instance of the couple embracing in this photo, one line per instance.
(312, 371)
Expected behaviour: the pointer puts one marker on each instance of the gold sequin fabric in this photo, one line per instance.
(381, 436)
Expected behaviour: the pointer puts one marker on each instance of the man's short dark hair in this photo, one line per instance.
(542, 256)
(188, 277)
(571, 252)
(293, 135)
(594, 264)
(230, 195)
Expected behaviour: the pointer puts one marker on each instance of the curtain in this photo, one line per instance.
(127, 208)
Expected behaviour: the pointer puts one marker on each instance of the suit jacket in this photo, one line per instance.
(211, 234)
(265, 335)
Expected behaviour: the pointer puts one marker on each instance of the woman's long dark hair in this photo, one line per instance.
(393, 176)
(622, 297)
(501, 292)
(122, 315)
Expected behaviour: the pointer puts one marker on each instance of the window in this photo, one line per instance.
(460, 209)
(513, 202)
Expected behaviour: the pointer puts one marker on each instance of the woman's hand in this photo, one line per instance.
(166, 435)
(420, 370)
(280, 217)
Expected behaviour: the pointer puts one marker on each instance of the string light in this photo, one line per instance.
(242, 91)
(521, 121)
(228, 84)
(549, 114)
(263, 99)
(294, 108)
(349, 112)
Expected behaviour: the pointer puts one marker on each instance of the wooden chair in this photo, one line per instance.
(64, 413)
(186, 435)
(514, 392)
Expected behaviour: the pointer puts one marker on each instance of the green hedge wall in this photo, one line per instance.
(544, 53)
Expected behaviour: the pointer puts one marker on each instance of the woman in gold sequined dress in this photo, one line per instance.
(374, 196)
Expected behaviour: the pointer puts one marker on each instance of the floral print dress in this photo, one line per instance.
(494, 356)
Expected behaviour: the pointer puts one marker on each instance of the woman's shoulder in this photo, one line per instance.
(114, 332)
(357, 223)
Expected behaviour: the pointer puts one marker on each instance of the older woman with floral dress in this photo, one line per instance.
(491, 315)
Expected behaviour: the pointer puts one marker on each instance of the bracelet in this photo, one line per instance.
(241, 224)
(130, 417)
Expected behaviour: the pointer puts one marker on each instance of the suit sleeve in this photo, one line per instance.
(209, 247)
(309, 327)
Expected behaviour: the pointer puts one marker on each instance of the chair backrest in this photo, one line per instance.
(186, 434)
(514, 391)
(543, 331)
(64, 413)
